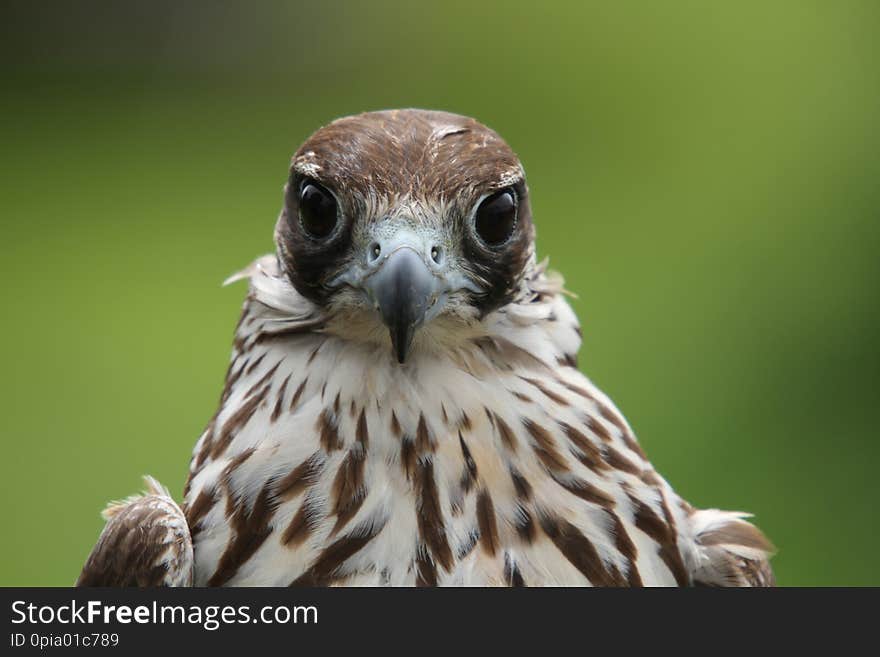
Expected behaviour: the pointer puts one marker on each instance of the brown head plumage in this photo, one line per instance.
(444, 187)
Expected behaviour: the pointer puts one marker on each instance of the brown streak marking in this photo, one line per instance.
(590, 455)
(466, 481)
(362, 435)
(329, 431)
(322, 571)
(430, 516)
(545, 446)
(596, 427)
(487, 522)
(349, 490)
(298, 393)
(505, 433)
(298, 529)
(234, 463)
(408, 456)
(649, 522)
(255, 364)
(521, 485)
(307, 327)
(231, 378)
(631, 442)
(263, 379)
(587, 492)
(276, 412)
(579, 551)
(226, 480)
(196, 511)
(576, 389)
(562, 401)
(626, 547)
(619, 462)
(204, 450)
(251, 529)
(469, 476)
(298, 479)
(525, 525)
(506, 354)
(424, 442)
(314, 353)
(238, 420)
(613, 418)
(675, 553)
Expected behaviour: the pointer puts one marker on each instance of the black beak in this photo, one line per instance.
(403, 289)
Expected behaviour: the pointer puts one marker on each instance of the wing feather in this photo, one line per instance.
(730, 550)
(146, 542)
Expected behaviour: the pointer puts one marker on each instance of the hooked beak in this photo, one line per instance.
(408, 278)
(405, 292)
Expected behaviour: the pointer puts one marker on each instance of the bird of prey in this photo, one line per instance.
(403, 405)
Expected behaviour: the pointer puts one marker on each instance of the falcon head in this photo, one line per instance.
(407, 224)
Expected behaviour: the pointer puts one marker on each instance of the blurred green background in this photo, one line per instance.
(706, 176)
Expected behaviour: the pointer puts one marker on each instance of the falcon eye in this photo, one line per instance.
(317, 209)
(496, 217)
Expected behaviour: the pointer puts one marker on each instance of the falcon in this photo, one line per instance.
(403, 405)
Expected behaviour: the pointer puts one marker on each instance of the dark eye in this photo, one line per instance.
(496, 217)
(317, 209)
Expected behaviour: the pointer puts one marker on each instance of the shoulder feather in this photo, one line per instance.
(146, 542)
(730, 550)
